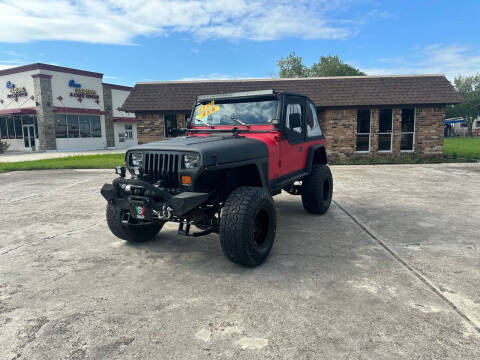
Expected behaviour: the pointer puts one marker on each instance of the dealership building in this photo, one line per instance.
(47, 107)
(360, 115)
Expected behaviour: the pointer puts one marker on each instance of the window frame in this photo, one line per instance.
(369, 134)
(409, 132)
(384, 133)
(294, 137)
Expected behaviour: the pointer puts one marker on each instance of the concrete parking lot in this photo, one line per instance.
(391, 271)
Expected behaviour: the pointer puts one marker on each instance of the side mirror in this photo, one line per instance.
(294, 121)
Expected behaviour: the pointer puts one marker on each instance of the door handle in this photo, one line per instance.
(300, 149)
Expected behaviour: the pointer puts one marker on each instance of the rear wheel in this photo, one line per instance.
(247, 226)
(317, 189)
(132, 232)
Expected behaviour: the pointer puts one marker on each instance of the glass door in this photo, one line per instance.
(29, 137)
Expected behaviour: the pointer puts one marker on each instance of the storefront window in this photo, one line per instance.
(385, 126)
(11, 128)
(363, 130)
(96, 126)
(60, 126)
(128, 131)
(72, 126)
(3, 128)
(84, 126)
(408, 130)
(18, 126)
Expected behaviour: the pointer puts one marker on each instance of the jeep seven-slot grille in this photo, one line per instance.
(163, 167)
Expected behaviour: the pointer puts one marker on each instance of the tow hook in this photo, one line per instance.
(165, 213)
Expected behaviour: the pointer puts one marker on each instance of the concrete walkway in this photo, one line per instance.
(39, 155)
(390, 272)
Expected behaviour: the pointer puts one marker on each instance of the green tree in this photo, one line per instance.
(469, 89)
(292, 67)
(331, 65)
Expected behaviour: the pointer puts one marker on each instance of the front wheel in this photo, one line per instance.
(132, 232)
(317, 189)
(247, 226)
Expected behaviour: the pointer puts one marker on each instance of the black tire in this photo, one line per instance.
(247, 226)
(132, 232)
(317, 189)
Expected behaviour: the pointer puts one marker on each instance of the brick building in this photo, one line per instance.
(360, 115)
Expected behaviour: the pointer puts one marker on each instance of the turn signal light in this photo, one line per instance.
(186, 180)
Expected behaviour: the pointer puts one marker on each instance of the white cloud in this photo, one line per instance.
(451, 60)
(5, 66)
(120, 21)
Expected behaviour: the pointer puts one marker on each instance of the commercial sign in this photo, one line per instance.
(84, 93)
(73, 84)
(15, 92)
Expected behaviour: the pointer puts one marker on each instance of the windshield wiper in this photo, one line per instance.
(206, 123)
(240, 121)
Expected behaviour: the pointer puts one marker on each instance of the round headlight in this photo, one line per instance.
(136, 159)
(191, 161)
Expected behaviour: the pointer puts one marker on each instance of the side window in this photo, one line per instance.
(313, 128)
(294, 109)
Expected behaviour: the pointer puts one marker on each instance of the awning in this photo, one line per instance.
(26, 110)
(454, 121)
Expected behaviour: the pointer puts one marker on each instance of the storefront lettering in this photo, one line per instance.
(85, 93)
(15, 92)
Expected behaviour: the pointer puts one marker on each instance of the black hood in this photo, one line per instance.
(214, 149)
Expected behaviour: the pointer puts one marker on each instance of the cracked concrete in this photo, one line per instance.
(71, 290)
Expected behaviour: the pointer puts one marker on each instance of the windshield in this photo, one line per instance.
(258, 112)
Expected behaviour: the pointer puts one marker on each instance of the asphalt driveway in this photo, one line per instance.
(391, 271)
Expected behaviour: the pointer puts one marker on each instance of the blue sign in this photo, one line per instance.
(72, 83)
(10, 85)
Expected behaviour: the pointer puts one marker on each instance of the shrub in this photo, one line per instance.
(3, 146)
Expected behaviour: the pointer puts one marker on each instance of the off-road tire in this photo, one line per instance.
(132, 232)
(247, 226)
(317, 189)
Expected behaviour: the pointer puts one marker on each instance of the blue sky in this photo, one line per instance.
(139, 40)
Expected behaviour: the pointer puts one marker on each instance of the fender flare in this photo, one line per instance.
(311, 155)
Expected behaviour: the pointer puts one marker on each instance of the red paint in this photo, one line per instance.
(284, 158)
(72, 110)
(25, 110)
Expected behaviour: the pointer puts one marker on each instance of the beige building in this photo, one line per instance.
(47, 107)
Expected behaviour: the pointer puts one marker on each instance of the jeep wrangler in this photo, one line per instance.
(236, 152)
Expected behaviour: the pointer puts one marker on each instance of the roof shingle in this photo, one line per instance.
(325, 92)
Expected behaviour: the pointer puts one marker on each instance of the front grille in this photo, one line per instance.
(162, 167)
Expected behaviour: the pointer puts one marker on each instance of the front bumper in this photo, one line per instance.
(156, 203)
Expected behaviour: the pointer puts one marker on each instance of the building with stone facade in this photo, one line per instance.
(360, 115)
(47, 107)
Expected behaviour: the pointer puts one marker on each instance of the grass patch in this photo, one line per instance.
(404, 159)
(463, 148)
(99, 161)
